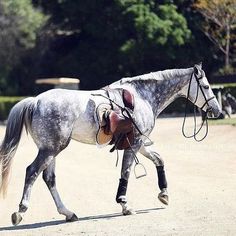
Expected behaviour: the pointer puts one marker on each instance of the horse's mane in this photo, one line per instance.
(159, 75)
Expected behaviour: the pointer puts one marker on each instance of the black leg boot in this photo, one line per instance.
(121, 192)
(162, 183)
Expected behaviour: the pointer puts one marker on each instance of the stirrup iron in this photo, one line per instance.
(138, 175)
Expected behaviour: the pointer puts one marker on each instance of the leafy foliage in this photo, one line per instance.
(6, 103)
(106, 40)
(220, 25)
(19, 25)
(97, 41)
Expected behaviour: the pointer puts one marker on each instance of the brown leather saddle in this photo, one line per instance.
(116, 119)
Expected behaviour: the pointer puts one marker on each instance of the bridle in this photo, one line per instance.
(204, 95)
(207, 100)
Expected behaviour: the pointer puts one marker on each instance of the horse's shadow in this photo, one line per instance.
(60, 222)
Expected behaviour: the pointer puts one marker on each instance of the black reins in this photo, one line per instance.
(204, 121)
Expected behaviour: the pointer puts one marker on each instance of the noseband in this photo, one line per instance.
(201, 88)
(196, 131)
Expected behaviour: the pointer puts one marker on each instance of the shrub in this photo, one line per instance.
(6, 103)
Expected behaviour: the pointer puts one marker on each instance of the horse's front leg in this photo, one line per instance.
(159, 163)
(127, 162)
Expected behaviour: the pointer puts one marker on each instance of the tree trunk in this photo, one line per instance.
(227, 46)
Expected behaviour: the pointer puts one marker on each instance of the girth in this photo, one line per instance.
(115, 119)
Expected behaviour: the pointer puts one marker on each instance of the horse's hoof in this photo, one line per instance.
(128, 212)
(16, 218)
(163, 198)
(72, 218)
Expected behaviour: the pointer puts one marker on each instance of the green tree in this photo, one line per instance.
(101, 41)
(159, 31)
(220, 25)
(19, 24)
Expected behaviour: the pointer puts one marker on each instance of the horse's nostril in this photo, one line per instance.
(209, 109)
(213, 112)
(209, 112)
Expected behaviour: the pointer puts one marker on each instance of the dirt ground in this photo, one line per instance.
(201, 184)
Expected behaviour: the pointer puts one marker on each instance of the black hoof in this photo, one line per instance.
(16, 218)
(128, 212)
(72, 218)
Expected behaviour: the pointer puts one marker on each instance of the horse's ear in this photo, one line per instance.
(199, 65)
(196, 68)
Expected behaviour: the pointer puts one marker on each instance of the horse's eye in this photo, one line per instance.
(205, 86)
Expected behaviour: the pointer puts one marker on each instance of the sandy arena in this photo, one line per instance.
(201, 184)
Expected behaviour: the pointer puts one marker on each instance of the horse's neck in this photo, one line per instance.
(163, 88)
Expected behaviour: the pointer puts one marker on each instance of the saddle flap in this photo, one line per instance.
(119, 123)
(116, 126)
(123, 141)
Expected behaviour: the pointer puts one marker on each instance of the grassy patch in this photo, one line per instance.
(227, 121)
(226, 85)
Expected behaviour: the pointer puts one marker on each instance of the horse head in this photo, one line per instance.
(200, 93)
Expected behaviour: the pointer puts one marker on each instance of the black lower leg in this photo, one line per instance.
(121, 192)
(162, 183)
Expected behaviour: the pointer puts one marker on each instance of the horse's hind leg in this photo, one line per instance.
(42, 161)
(50, 179)
(157, 160)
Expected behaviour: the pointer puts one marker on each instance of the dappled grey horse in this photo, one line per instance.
(55, 117)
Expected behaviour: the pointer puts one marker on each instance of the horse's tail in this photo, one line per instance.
(20, 115)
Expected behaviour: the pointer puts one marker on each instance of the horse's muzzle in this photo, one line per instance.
(213, 112)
